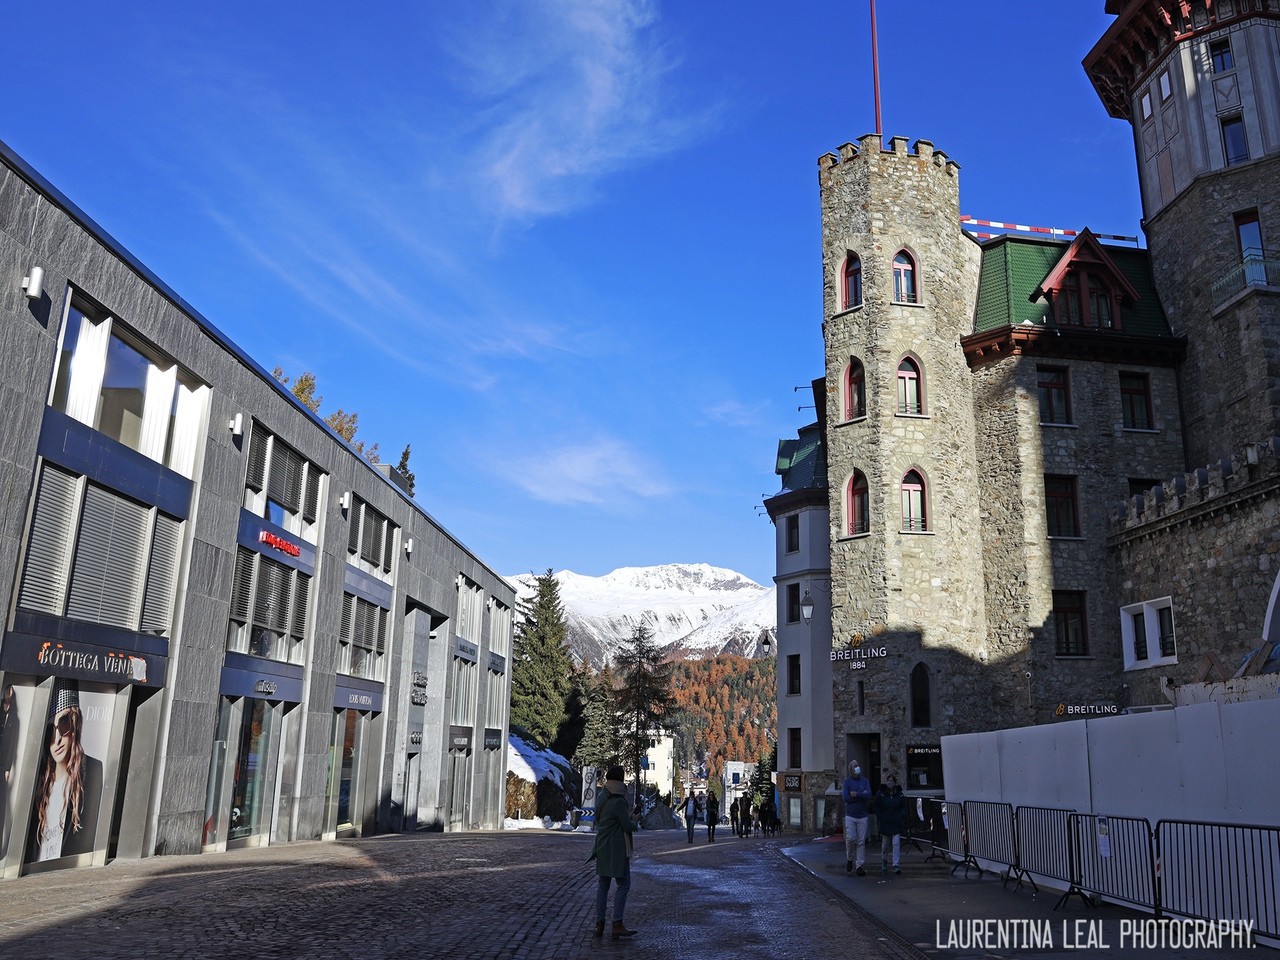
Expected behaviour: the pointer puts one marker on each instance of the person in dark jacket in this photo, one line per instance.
(713, 816)
(891, 812)
(612, 851)
(690, 808)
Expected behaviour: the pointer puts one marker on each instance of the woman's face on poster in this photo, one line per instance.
(62, 732)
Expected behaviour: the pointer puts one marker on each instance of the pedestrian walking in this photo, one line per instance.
(733, 817)
(891, 814)
(713, 816)
(856, 794)
(612, 851)
(690, 814)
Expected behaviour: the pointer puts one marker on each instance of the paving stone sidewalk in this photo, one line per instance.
(516, 894)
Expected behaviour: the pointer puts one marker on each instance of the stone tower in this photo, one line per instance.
(1197, 80)
(899, 285)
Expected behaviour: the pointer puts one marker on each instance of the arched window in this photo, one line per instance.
(855, 390)
(904, 278)
(914, 518)
(910, 394)
(921, 702)
(851, 285)
(857, 506)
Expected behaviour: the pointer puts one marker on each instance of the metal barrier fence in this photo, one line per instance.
(1222, 871)
(992, 835)
(1115, 858)
(1044, 843)
(933, 818)
(1209, 871)
(957, 848)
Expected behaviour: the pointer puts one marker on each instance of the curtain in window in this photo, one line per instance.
(157, 413)
(88, 365)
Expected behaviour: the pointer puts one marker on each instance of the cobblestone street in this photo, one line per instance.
(515, 894)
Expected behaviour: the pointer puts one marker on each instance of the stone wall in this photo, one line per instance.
(1231, 377)
(905, 597)
(1210, 540)
(1023, 565)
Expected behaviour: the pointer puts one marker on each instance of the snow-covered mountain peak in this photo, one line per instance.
(694, 578)
(695, 609)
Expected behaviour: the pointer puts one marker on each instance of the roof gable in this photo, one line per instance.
(1085, 252)
(1013, 268)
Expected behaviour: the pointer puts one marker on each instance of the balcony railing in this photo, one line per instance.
(1251, 271)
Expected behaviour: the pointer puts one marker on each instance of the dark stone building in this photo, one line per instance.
(1052, 463)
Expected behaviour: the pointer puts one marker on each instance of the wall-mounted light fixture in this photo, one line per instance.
(345, 502)
(408, 547)
(33, 283)
(806, 607)
(236, 425)
(766, 644)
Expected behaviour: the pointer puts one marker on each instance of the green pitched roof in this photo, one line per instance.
(1013, 267)
(802, 463)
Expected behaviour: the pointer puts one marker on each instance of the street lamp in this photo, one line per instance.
(806, 607)
(765, 644)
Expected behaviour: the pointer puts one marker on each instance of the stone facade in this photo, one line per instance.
(900, 598)
(1015, 602)
(1209, 540)
(1231, 380)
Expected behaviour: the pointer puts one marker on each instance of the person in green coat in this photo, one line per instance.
(612, 851)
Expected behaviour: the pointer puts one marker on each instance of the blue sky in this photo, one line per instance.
(568, 250)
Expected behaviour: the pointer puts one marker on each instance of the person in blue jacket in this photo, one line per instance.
(612, 851)
(857, 796)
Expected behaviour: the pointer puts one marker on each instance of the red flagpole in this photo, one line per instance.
(875, 66)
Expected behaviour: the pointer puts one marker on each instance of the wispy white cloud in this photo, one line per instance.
(379, 219)
(604, 471)
(575, 91)
(735, 413)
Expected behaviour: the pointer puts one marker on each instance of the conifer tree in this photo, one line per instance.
(644, 695)
(402, 468)
(598, 746)
(541, 664)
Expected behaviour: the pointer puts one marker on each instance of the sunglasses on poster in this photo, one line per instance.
(64, 724)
